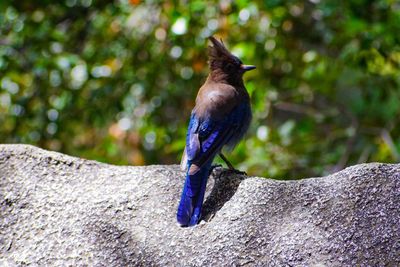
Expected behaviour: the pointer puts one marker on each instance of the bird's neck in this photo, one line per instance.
(219, 76)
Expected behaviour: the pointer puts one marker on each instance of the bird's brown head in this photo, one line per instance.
(223, 63)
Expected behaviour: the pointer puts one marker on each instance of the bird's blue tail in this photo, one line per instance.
(189, 209)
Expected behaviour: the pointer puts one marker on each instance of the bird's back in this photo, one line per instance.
(217, 99)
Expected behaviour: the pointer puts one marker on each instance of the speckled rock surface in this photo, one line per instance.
(58, 210)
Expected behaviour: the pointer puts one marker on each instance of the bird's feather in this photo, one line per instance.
(183, 164)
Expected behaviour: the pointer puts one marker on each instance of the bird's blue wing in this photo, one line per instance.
(205, 138)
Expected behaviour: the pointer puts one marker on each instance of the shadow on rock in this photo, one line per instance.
(226, 183)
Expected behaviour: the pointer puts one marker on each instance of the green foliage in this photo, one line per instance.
(116, 81)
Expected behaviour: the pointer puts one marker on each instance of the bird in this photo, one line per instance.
(220, 118)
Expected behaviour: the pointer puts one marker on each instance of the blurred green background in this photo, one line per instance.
(115, 81)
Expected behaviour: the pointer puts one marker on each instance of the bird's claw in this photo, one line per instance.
(213, 167)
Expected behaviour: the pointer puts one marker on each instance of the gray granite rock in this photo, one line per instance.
(58, 210)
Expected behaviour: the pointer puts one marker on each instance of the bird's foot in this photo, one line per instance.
(213, 167)
(230, 166)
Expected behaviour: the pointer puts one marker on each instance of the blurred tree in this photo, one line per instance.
(115, 81)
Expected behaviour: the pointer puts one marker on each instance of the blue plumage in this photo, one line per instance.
(221, 117)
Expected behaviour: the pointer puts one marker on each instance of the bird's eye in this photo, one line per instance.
(229, 66)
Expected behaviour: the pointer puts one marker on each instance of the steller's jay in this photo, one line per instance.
(221, 117)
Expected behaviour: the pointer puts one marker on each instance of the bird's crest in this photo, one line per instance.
(218, 54)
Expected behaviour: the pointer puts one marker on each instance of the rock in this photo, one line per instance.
(59, 210)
